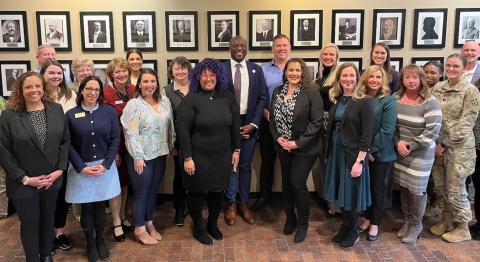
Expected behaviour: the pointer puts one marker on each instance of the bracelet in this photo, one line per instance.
(25, 180)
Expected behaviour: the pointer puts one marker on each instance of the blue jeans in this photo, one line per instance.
(145, 187)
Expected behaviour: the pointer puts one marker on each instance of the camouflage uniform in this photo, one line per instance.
(460, 105)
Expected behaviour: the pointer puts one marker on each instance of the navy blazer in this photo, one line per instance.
(257, 91)
(23, 155)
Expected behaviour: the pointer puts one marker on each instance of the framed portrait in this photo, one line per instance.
(222, 26)
(263, 27)
(53, 27)
(14, 31)
(467, 24)
(306, 29)
(193, 62)
(182, 30)
(389, 27)
(396, 63)
(150, 63)
(67, 68)
(100, 70)
(347, 28)
(430, 26)
(9, 72)
(357, 61)
(421, 61)
(312, 64)
(139, 31)
(96, 31)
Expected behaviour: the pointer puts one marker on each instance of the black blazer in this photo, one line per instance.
(357, 128)
(22, 154)
(307, 127)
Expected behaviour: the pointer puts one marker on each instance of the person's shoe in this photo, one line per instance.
(62, 242)
(301, 233)
(245, 212)
(351, 238)
(92, 253)
(145, 238)
(200, 234)
(413, 233)
(46, 259)
(230, 214)
(179, 218)
(102, 249)
(342, 233)
(153, 232)
(127, 226)
(459, 234)
(260, 204)
(403, 230)
(214, 231)
(118, 236)
(441, 228)
(290, 223)
(372, 237)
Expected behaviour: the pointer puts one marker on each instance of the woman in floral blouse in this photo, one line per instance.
(149, 135)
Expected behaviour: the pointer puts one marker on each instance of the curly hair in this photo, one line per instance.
(212, 65)
(16, 102)
(363, 86)
(424, 90)
(63, 90)
(337, 91)
(117, 61)
(305, 81)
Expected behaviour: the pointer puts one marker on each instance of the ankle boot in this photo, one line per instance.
(200, 233)
(213, 230)
(417, 210)
(302, 228)
(351, 237)
(291, 222)
(444, 226)
(404, 200)
(342, 232)
(459, 234)
(92, 252)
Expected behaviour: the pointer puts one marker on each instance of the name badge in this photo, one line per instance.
(118, 102)
(80, 115)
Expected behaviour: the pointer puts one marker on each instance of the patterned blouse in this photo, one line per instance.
(283, 111)
(39, 122)
(148, 134)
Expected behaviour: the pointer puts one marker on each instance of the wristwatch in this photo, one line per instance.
(361, 161)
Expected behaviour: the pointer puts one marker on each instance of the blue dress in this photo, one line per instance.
(340, 187)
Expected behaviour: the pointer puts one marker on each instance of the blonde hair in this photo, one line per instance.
(79, 62)
(336, 91)
(331, 77)
(424, 92)
(117, 61)
(363, 87)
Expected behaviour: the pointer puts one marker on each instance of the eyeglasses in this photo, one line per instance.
(90, 90)
(211, 76)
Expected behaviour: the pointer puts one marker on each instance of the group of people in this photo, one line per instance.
(85, 143)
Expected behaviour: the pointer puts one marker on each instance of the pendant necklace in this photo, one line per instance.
(211, 95)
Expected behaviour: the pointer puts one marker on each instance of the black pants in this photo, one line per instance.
(36, 215)
(93, 220)
(61, 210)
(476, 184)
(195, 204)
(268, 154)
(178, 190)
(295, 171)
(379, 173)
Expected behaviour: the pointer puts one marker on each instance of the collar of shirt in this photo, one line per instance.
(176, 87)
(139, 32)
(233, 64)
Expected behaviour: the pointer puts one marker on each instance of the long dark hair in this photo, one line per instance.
(82, 86)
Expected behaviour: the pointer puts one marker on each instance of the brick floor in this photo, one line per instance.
(263, 241)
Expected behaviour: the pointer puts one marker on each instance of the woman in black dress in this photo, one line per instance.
(208, 123)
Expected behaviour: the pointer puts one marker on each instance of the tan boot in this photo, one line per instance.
(444, 226)
(459, 234)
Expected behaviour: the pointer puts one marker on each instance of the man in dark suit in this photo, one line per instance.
(12, 35)
(53, 36)
(97, 36)
(266, 34)
(11, 78)
(306, 32)
(348, 31)
(247, 83)
(139, 35)
(181, 35)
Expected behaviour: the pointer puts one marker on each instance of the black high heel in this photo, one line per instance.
(119, 238)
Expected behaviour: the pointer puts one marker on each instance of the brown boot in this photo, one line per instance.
(245, 212)
(444, 226)
(230, 214)
(459, 234)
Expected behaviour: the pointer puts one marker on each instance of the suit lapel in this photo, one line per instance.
(252, 75)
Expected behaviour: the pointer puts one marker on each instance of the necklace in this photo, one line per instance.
(211, 95)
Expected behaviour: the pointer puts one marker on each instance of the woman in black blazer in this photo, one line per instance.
(296, 126)
(349, 136)
(34, 142)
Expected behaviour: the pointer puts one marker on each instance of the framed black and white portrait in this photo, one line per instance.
(9, 72)
(193, 63)
(150, 63)
(139, 31)
(396, 63)
(306, 29)
(389, 27)
(222, 26)
(182, 30)
(67, 68)
(467, 25)
(347, 28)
(14, 31)
(421, 61)
(100, 70)
(312, 65)
(357, 61)
(96, 31)
(430, 26)
(263, 27)
(53, 27)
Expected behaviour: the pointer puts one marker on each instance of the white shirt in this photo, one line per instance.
(245, 83)
(468, 75)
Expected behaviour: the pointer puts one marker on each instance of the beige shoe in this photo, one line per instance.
(459, 234)
(153, 232)
(145, 238)
(444, 226)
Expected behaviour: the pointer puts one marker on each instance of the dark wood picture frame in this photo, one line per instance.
(435, 37)
(104, 40)
(272, 20)
(19, 40)
(342, 34)
(462, 34)
(177, 41)
(398, 60)
(385, 20)
(356, 60)
(147, 40)
(306, 39)
(6, 80)
(59, 22)
(67, 68)
(219, 41)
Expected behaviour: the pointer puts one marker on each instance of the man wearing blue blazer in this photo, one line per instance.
(247, 83)
(471, 52)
